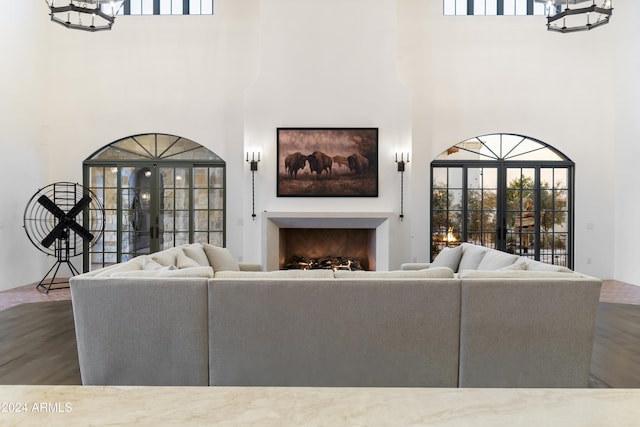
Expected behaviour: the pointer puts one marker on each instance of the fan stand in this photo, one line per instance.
(62, 253)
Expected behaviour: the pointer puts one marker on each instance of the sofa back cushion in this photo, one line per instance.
(448, 257)
(471, 256)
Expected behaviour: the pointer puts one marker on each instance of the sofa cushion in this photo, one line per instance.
(183, 261)
(433, 272)
(533, 265)
(206, 272)
(516, 274)
(220, 258)
(471, 256)
(278, 274)
(195, 251)
(448, 257)
(495, 260)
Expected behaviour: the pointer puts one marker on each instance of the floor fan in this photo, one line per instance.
(53, 221)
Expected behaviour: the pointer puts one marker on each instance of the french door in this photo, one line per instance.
(520, 207)
(156, 203)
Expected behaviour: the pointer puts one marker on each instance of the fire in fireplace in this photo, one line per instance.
(327, 248)
(326, 263)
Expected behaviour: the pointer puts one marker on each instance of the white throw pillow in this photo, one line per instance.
(183, 261)
(166, 257)
(495, 260)
(220, 258)
(541, 266)
(195, 251)
(150, 264)
(520, 264)
(448, 257)
(471, 256)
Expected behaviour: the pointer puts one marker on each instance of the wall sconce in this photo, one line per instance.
(401, 166)
(253, 162)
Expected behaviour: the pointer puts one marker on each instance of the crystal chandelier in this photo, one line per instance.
(568, 16)
(87, 15)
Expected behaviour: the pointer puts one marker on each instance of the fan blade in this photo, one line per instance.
(53, 235)
(81, 231)
(51, 207)
(82, 203)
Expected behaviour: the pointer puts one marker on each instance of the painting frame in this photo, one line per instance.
(327, 161)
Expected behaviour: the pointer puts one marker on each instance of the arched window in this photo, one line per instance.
(158, 191)
(504, 191)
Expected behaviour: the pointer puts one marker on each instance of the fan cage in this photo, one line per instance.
(39, 222)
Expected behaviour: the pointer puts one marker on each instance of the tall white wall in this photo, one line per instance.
(471, 76)
(227, 81)
(23, 165)
(328, 64)
(625, 145)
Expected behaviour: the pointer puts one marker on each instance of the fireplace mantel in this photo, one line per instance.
(273, 221)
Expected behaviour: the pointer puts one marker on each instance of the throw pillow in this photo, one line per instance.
(195, 251)
(165, 257)
(220, 258)
(541, 266)
(448, 257)
(520, 264)
(183, 261)
(471, 256)
(150, 264)
(495, 260)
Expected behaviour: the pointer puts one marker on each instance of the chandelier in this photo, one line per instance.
(87, 15)
(568, 16)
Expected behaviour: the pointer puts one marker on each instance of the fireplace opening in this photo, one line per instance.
(327, 248)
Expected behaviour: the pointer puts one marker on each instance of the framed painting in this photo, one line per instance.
(327, 162)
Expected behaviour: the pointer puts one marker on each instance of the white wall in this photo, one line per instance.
(228, 81)
(328, 64)
(23, 167)
(471, 76)
(625, 145)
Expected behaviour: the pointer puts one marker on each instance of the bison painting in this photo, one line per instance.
(358, 164)
(340, 161)
(294, 162)
(319, 162)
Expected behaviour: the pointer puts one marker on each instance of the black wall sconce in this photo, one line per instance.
(253, 162)
(401, 166)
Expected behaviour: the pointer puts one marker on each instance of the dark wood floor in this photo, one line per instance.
(616, 350)
(38, 344)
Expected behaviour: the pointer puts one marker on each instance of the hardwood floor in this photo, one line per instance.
(38, 342)
(38, 345)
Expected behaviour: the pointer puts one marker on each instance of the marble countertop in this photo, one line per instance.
(273, 406)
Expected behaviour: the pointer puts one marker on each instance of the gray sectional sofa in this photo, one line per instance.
(193, 316)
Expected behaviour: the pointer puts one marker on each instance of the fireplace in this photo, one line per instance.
(291, 237)
(328, 248)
